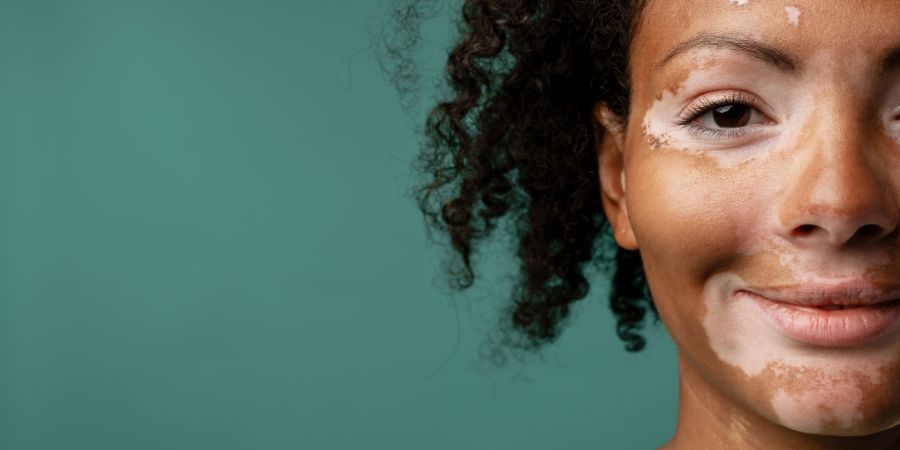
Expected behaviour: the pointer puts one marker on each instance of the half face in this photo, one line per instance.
(760, 180)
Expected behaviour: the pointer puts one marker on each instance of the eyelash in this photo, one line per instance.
(706, 105)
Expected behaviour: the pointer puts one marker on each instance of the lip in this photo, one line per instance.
(843, 313)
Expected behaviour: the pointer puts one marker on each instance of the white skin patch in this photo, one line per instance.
(789, 259)
(842, 405)
(817, 386)
(739, 2)
(661, 129)
(790, 109)
(793, 15)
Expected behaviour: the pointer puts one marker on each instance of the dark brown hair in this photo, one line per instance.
(516, 140)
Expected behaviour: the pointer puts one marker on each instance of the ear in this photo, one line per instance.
(610, 138)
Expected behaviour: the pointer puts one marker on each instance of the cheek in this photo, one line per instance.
(691, 218)
(688, 213)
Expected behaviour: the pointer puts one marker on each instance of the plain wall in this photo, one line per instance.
(206, 244)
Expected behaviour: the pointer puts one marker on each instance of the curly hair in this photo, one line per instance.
(517, 138)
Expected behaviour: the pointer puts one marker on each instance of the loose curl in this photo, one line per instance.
(518, 139)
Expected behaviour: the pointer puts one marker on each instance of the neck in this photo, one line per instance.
(708, 419)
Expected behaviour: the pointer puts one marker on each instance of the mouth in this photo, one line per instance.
(837, 307)
(841, 314)
(834, 307)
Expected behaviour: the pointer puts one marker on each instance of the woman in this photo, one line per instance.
(745, 157)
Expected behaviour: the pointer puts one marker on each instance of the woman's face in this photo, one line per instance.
(760, 180)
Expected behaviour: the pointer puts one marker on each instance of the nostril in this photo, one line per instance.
(804, 230)
(868, 232)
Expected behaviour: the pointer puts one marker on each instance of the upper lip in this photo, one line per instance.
(849, 292)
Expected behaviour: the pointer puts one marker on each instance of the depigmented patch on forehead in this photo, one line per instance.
(793, 15)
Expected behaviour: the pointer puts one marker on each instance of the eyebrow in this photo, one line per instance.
(750, 47)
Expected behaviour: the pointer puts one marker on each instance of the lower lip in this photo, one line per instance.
(829, 328)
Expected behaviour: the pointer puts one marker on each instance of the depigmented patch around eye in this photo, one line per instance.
(656, 141)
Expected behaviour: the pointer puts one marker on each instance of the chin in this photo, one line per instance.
(837, 413)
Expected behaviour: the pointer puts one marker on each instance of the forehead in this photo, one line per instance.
(861, 31)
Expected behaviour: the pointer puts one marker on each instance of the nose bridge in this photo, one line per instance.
(841, 188)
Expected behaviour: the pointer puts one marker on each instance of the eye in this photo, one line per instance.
(730, 116)
(725, 116)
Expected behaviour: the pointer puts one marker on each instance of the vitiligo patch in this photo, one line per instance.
(810, 390)
(793, 15)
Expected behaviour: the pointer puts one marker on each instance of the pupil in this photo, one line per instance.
(731, 116)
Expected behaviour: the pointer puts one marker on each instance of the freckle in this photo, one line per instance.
(793, 15)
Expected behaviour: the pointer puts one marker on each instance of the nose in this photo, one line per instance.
(843, 194)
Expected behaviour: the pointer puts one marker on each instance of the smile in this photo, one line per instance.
(833, 315)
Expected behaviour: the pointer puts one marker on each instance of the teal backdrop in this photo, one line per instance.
(207, 244)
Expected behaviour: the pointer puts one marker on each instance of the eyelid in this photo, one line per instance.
(703, 103)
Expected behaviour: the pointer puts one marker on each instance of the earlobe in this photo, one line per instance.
(609, 133)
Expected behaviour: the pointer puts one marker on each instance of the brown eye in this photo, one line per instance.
(726, 117)
(732, 116)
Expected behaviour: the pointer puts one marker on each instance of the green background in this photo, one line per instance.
(206, 244)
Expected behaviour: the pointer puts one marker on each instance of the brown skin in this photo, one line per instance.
(818, 195)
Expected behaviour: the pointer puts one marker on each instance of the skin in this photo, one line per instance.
(809, 192)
